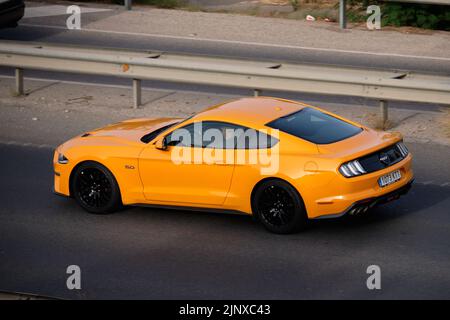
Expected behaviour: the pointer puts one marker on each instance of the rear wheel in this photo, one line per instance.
(279, 207)
(95, 188)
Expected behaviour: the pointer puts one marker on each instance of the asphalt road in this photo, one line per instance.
(50, 30)
(155, 253)
(33, 31)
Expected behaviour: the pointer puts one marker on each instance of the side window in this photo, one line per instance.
(254, 139)
(265, 141)
(188, 136)
(224, 135)
(220, 135)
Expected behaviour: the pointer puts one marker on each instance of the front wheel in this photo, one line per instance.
(279, 207)
(95, 188)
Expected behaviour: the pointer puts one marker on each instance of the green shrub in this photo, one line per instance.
(403, 14)
(417, 15)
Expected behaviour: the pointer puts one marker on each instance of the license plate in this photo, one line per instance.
(389, 178)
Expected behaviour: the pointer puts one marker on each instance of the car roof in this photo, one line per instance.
(250, 112)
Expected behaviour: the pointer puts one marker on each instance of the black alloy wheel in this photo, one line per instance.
(95, 188)
(279, 207)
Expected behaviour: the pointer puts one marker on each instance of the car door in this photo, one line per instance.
(185, 173)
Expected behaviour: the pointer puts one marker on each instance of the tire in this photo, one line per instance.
(95, 188)
(279, 207)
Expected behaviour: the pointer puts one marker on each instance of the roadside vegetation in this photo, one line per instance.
(168, 4)
(404, 14)
(164, 4)
(393, 14)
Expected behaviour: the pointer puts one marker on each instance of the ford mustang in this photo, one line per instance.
(283, 162)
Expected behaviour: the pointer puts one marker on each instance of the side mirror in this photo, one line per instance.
(161, 144)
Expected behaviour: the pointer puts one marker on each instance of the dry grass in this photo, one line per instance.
(318, 13)
(388, 125)
(446, 122)
(14, 93)
(321, 10)
(373, 120)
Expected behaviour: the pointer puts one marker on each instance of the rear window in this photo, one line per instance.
(315, 126)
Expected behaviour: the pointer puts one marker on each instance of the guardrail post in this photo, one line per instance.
(383, 112)
(342, 14)
(127, 4)
(19, 82)
(137, 93)
(256, 93)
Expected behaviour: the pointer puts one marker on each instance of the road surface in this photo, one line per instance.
(174, 254)
(170, 254)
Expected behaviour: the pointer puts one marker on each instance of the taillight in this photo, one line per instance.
(402, 148)
(352, 169)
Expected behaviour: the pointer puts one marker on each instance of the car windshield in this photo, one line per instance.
(152, 135)
(315, 126)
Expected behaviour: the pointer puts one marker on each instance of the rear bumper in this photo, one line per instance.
(10, 15)
(362, 206)
(339, 194)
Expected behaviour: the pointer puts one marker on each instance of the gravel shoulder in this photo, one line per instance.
(54, 111)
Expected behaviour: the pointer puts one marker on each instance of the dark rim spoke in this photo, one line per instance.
(276, 206)
(94, 188)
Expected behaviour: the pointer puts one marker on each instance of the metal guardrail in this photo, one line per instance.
(127, 4)
(343, 7)
(255, 75)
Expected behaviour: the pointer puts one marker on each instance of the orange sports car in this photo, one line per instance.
(282, 161)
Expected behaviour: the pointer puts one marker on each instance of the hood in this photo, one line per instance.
(365, 142)
(132, 130)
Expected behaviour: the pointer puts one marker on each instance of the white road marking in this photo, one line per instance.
(260, 44)
(55, 10)
(27, 144)
(426, 182)
(433, 183)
